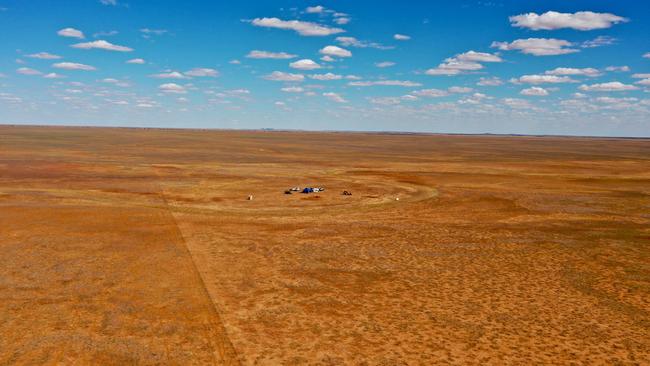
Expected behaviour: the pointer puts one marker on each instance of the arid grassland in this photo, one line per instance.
(139, 246)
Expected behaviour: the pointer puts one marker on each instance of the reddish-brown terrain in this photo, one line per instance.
(139, 246)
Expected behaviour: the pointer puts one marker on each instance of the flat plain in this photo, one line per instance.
(139, 246)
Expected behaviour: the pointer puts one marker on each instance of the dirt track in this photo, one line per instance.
(139, 246)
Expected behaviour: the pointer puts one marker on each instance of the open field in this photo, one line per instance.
(134, 246)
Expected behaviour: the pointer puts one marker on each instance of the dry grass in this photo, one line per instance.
(128, 246)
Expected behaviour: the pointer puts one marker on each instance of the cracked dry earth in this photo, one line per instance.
(138, 246)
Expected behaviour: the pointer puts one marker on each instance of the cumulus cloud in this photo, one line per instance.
(460, 89)
(170, 75)
(324, 77)
(270, 55)
(304, 64)
(608, 87)
(537, 46)
(353, 42)
(70, 32)
(202, 72)
(599, 42)
(284, 76)
(293, 89)
(644, 82)
(302, 28)
(44, 56)
(335, 51)
(464, 62)
(157, 32)
(618, 68)
(430, 93)
(517, 103)
(641, 76)
(543, 79)
(335, 97)
(472, 56)
(589, 71)
(102, 45)
(53, 75)
(385, 64)
(453, 66)
(342, 20)
(490, 81)
(28, 71)
(535, 91)
(646, 55)
(551, 20)
(385, 83)
(73, 66)
(315, 9)
(137, 61)
(401, 37)
(172, 88)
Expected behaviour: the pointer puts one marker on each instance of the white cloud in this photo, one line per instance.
(53, 75)
(202, 72)
(452, 66)
(385, 83)
(302, 28)
(327, 58)
(44, 56)
(335, 97)
(641, 76)
(610, 86)
(170, 75)
(108, 2)
(73, 66)
(103, 45)
(537, 46)
(270, 55)
(70, 32)
(646, 55)
(472, 56)
(137, 61)
(401, 37)
(535, 91)
(618, 68)
(582, 20)
(386, 100)
(28, 71)
(460, 89)
(157, 32)
(385, 64)
(328, 76)
(172, 88)
(234, 62)
(644, 82)
(145, 105)
(342, 20)
(335, 51)
(589, 71)
(284, 76)
(517, 103)
(599, 42)
(542, 79)
(491, 81)
(353, 42)
(105, 34)
(315, 9)
(293, 89)
(430, 93)
(305, 64)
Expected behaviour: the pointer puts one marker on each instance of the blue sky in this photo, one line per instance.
(535, 67)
